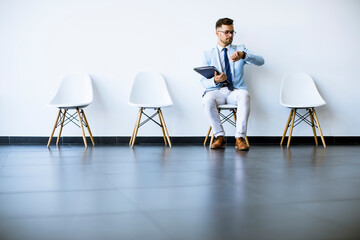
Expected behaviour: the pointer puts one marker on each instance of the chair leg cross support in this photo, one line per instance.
(291, 122)
(162, 124)
(64, 117)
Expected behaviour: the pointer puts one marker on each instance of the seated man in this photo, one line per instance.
(228, 86)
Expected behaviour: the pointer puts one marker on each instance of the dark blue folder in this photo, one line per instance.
(207, 71)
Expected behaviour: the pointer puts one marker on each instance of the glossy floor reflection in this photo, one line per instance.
(187, 192)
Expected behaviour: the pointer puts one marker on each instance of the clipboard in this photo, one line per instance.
(207, 71)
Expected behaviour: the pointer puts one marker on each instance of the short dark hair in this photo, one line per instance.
(223, 21)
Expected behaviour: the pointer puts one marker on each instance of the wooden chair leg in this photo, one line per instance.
(132, 135)
(207, 135)
(162, 127)
(247, 141)
(61, 127)
(211, 140)
(234, 114)
(292, 127)
(286, 127)
(82, 127)
(136, 129)
(52, 133)
(318, 124)
(166, 131)
(313, 125)
(88, 127)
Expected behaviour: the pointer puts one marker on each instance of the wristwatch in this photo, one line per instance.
(244, 56)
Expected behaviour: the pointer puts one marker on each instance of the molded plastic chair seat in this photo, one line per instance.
(227, 106)
(148, 91)
(298, 91)
(75, 92)
(225, 118)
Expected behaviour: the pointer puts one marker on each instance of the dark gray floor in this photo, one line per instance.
(187, 192)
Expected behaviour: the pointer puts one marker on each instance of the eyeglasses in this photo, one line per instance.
(228, 32)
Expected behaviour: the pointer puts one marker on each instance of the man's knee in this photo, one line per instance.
(243, 96)
(208, 99)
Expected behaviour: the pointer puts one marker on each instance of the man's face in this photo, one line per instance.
(225, 34)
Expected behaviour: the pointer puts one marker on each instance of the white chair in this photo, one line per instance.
(225, 118)
(149, 91)
(74, 93)
(298, 91)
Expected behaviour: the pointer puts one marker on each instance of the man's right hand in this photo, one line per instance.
(220, 77)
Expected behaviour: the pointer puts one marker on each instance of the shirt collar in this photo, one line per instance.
(221, 48)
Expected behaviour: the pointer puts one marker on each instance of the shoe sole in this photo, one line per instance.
(242, 149)
(222, 147)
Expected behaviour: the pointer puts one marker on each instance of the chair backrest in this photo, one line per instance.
(149, 90)
(75, 90)
(298, 90)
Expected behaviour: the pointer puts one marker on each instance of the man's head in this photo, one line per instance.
(225, 31)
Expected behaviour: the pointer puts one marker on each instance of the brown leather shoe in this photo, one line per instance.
(241, 145)
(218, 142)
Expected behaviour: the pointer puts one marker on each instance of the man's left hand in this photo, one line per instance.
(236, 56)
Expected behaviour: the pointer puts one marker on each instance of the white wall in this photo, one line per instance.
(40, 40)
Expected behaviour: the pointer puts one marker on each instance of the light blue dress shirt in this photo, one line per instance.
(212, 58)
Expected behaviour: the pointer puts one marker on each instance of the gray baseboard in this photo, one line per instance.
(114, 140)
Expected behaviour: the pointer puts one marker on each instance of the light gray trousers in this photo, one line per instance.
(239, 97)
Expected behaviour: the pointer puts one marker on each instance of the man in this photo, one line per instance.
(228, 86)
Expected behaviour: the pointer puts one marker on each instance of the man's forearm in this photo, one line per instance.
(254, 59)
